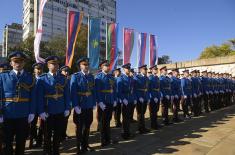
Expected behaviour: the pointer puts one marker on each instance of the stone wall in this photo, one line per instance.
(219, 64)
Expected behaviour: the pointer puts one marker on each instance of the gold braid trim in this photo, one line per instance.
(27, 87)
(61, 87)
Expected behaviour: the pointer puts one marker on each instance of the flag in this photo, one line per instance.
(73, 27)
(94, 42)
(153, 57)
(128, 39)
(111, 44)
(141, 48)
(38, 35)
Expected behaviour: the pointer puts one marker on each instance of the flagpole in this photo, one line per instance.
(88, 36)
(137, 49)
(123, 44)
(67, 28)
(149, 51)
(106, 55)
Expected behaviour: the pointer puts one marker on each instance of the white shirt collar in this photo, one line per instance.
(104, 73)
(52, 73)
(84, 72)
(15, 71)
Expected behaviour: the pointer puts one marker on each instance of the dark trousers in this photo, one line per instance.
(33, 131)
(212, 102)
(153, 109)
(53, 133)
(196, 106)
(65, 127)
(126, 119)
(141, 109)
(186, 105)
(132, 110)
(83, 123)
(18, 129)
(206, 102)
(165, 106)
(105, 130)
(117, 114)
(176, 107)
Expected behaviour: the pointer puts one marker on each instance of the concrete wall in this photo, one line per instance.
(219, 64)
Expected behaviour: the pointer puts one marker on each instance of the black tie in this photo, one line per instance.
(18, 74)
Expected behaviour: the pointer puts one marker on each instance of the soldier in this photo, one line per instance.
(211, 91)
(195, 93)
(82, 89)
(155, 97)
(165, 88)
(117, 109)
(53, 104)
(205, 88)
(141, 84)
(132, 120)
(65, 70)
(35, 132)
(106, 99)
(177, 93)
(125, 87)
(186, 86)
(200, 97)
(18, 103)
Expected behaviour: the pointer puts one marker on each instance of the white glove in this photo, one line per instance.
(77, 110)
(141, 100)
(155, 100)
(120, 100)
(167, 97)
(114, 103)
(66, 113)
(1, 120)
(43, 116)
(135, 102)
(200, 93)
(185, 96)
(102, 106)
(195, 95)
(172, 97)
(176, 96)
(148, 102)
(207, 92)
(125, 102)
(30, 118)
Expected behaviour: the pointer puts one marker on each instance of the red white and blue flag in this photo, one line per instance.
(153, 50)
(73, 27)
(142, 37)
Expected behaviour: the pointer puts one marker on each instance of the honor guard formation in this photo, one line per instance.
(36, 107)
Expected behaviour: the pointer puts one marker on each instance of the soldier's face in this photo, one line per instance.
(186, 74)
(53, 67)
(117, 73)
(175, 74)
(17, 64)
(38, 71)
(105, 68)
(164, 71)
(84, 66)
(155, 71)
(143, 71)
(127, 71)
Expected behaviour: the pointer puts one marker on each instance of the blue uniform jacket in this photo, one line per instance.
(53, 94)
(154, 87)
(82, 90)
(186, 85)
(125, 88)
(165, 85)
(105, 86)
(141, 89)
(17, 94)
(176, 86)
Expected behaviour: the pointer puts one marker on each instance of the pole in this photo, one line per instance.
(106, 40)
(88, 36)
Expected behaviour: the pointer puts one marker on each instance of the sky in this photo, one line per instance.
(183, 27)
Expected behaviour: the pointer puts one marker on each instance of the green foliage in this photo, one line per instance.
(226, 49)
(165, 59)
(55, 46)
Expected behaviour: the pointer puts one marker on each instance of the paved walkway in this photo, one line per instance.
(210, 134)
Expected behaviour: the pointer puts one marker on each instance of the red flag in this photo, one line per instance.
(128, 39)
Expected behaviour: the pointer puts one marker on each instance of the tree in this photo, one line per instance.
(213, 51)
(165, 59)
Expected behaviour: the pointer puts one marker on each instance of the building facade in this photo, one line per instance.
(55, 15)
(12, 36)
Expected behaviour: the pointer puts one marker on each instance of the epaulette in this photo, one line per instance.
(44, 74)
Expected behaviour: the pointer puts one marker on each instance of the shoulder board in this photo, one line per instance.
(44, 74)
